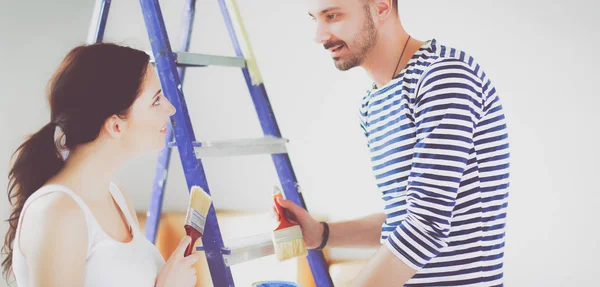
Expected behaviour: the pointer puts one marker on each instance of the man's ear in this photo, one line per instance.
(114, 126)
(383, 8)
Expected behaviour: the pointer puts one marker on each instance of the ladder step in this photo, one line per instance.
(201, 60)
(264, 145)
(186, 59)
(246, 249)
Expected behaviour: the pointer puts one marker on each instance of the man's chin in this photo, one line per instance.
(344, 65)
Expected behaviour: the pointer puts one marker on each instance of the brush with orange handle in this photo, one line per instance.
(287, 237)
(195, 219)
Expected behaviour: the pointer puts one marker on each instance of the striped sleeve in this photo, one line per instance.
(446, 109)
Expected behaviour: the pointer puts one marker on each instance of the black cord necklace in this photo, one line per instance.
(402, 54)
(395, 69)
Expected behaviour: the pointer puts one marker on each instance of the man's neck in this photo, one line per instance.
(385, 56)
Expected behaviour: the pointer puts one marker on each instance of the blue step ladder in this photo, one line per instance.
(171, 70)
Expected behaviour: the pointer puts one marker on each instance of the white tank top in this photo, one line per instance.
(109, 262)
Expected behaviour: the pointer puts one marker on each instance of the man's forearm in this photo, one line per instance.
(362, 232)
(383, 270)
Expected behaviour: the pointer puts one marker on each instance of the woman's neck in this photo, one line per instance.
(89, 170)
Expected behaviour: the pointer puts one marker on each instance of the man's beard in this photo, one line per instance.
(363, 43)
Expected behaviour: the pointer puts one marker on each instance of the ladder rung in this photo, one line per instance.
(186, 59)
(264, 145)
(247, 248)
(201, 60)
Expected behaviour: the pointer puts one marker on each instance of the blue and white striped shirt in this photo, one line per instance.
(440, 154)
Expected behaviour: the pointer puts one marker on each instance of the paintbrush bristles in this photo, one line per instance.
(289, 243)
(199, 200)
(290, 249)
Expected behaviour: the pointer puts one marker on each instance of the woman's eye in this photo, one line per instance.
(332, 16)
(157, 101)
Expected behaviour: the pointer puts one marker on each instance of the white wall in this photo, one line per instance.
(542, 57)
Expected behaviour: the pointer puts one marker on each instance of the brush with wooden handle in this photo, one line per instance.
(195, 219)
(287, 237)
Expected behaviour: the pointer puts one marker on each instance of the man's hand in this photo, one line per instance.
(312, 230)
(362, 232)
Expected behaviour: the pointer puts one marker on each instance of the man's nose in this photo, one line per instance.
(321, 34)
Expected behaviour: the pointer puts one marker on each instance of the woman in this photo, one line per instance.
(70, 225)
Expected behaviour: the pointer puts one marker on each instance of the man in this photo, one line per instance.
(438, 141)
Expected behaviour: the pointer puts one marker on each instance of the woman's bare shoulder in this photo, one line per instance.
(51, 218)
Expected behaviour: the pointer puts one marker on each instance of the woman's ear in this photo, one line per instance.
(114, 126)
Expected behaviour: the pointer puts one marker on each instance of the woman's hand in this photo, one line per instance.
(178, 271)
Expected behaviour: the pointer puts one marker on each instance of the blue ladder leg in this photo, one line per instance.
(282, 162)
(98, 22)
(164, 156)
(316, 259)
(192, 167)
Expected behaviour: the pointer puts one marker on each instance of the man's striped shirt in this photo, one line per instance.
(440, 154)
